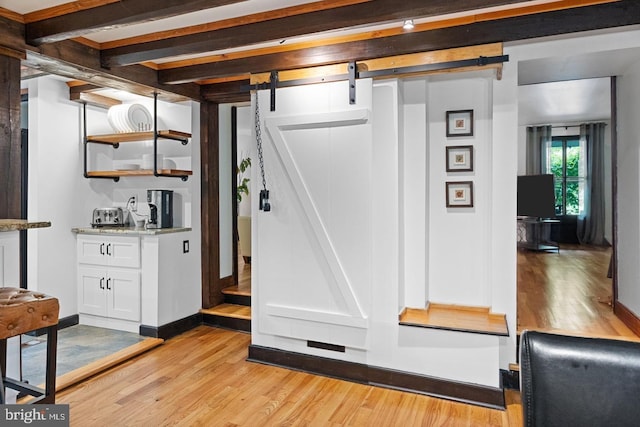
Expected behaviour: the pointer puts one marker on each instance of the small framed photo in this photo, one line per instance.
(460, 159)
(460, 123)
(459, 194)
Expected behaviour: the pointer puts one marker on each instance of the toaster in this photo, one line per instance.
(107, 217)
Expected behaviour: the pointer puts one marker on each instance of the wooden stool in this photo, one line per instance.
(23, 311)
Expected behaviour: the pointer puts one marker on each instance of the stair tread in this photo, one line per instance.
(456, 318)
(229, 310)
(237, 290)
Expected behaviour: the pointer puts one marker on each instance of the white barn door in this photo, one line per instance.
(312, 260)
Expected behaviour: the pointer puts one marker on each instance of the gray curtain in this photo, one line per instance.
(591, 221)
(538, 140)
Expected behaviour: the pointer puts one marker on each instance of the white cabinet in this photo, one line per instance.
(109, 277)
(120, 251)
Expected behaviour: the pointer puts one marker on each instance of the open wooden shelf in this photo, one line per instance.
(138, 172)
(116, 138)
(477, 320)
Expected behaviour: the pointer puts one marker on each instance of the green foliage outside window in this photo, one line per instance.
(567, 179)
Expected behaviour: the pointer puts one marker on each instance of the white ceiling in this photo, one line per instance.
(568, 89)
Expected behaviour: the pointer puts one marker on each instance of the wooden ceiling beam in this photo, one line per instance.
(375, 11)
(112, 15)
(226, 92)
(621, 13)
(77, 61)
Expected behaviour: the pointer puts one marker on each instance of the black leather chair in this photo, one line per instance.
(573, 381)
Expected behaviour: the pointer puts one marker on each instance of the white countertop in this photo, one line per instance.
(129, 230)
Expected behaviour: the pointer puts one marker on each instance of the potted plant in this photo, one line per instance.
(244, 222)
(243, 181)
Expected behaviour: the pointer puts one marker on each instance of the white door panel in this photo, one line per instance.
(314, 248)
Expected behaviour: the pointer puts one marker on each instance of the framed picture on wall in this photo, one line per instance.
(460, 123)
(459, 194)
(460, 158)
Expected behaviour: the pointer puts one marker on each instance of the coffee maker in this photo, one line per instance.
(161, 208)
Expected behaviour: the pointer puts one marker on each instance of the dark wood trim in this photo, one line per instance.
(80, 62)
(234, 189)
(172, 329)
(357, 372)
(10, 139)
(628, 317)
(616, 14)
(212, 284)
(286, 28)
(614, 191)
(243, 325)
(227, 92)
(227, 281)
(120, 13)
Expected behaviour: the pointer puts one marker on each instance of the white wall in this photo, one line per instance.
(629, 189)
(225, 164)
(460, 238)
(59, 193)
(414, 156)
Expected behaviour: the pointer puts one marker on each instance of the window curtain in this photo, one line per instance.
(538, 141)
(592, 219)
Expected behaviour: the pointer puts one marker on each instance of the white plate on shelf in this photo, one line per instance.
(138, 118)
(128, 167)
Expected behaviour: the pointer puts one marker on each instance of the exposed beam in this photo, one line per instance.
(376, 11)
(112, 15)
(77, 61)
(625, 12)
(228, 92)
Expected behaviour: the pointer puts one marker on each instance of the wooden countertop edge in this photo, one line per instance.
(21, 224)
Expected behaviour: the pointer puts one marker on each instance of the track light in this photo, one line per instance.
(408, 24)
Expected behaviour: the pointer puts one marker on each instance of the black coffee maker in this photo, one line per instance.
(161, 208)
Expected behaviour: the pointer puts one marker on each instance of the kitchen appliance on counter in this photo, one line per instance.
(107, 217)
(160, 208)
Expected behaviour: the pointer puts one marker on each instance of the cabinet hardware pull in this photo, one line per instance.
(108, 280)
(102, 283)
(101, 248)
(109, 249)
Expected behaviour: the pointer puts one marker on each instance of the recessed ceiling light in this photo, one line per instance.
(408, 24)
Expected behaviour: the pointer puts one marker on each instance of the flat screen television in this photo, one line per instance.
(536, 196)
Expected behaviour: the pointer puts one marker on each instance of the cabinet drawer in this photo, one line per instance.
(116, 251)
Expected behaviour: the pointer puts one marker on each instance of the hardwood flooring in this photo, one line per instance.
(201, 378)
(568, 292)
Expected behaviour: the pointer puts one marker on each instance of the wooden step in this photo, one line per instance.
(479, 320)
(231, 316)
(240, 295)
(96, 367)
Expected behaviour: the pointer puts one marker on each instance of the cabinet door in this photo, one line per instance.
(123, 294)
(92, 290)
(92, 250)
(123, 251)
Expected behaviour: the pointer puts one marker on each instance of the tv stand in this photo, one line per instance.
(533, 234)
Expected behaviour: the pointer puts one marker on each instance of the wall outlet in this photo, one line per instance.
(185, 246)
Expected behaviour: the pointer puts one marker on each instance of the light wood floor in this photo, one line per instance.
(201, 378)
(568, 291)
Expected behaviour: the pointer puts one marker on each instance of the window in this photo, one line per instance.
(565, 159)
